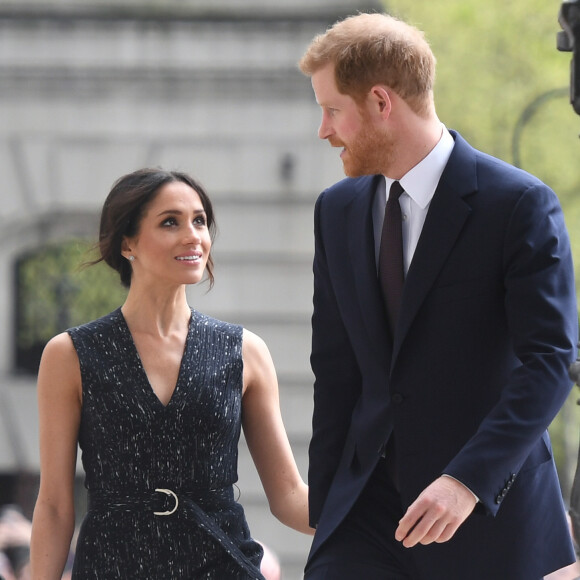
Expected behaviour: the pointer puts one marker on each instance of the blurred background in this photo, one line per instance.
(90, 90)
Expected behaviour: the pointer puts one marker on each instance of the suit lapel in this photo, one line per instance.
(447, 215)
(361, 248)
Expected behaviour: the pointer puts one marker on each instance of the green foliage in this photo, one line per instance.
(504, 86)
(55, 291)
(493, 60)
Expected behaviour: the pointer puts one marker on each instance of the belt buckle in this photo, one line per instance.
(173, 495)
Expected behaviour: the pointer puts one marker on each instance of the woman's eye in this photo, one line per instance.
(199, 221)
(171, 221)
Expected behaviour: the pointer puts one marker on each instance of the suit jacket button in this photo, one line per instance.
(397, 398)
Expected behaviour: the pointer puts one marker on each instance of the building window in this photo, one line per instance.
(54, 291)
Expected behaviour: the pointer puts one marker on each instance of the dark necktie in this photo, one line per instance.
(391, 270)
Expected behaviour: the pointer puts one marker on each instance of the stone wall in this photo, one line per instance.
(90, 90)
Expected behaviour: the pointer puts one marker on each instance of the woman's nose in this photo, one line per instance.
(191, 235)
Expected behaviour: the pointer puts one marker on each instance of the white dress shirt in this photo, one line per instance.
(419, 184)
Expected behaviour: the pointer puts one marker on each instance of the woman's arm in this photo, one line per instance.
(59, 404)
(267, 440)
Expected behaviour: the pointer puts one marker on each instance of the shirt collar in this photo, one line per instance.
(421, 181)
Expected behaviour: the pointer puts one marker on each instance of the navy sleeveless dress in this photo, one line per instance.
(160, 478)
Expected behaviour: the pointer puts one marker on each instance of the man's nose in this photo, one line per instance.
(325, 129)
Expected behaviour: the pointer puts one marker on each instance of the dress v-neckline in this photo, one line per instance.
(147, 386)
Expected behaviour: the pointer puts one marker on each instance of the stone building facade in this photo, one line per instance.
(90, 90)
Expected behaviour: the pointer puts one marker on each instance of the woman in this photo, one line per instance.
(155, 394)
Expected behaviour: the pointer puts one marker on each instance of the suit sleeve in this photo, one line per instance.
(337, 378)
(540, 307)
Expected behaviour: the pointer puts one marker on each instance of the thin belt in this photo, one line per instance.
(166, 502)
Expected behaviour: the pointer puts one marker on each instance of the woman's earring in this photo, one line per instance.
(131, 258)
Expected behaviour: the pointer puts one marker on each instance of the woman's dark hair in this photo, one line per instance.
(125, 206)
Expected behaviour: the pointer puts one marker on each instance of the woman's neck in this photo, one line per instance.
(156, 313)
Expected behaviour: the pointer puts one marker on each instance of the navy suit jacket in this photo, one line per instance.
(474, 374)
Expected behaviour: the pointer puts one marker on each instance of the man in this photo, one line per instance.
(429, 458)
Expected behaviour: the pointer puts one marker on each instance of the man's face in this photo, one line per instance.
(367, 147)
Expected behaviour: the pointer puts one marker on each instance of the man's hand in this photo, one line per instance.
(436, 514)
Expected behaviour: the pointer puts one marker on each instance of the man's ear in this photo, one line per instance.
(381, 101)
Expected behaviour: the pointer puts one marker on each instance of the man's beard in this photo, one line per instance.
(369, 153)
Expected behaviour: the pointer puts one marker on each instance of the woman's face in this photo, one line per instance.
(172, 244)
